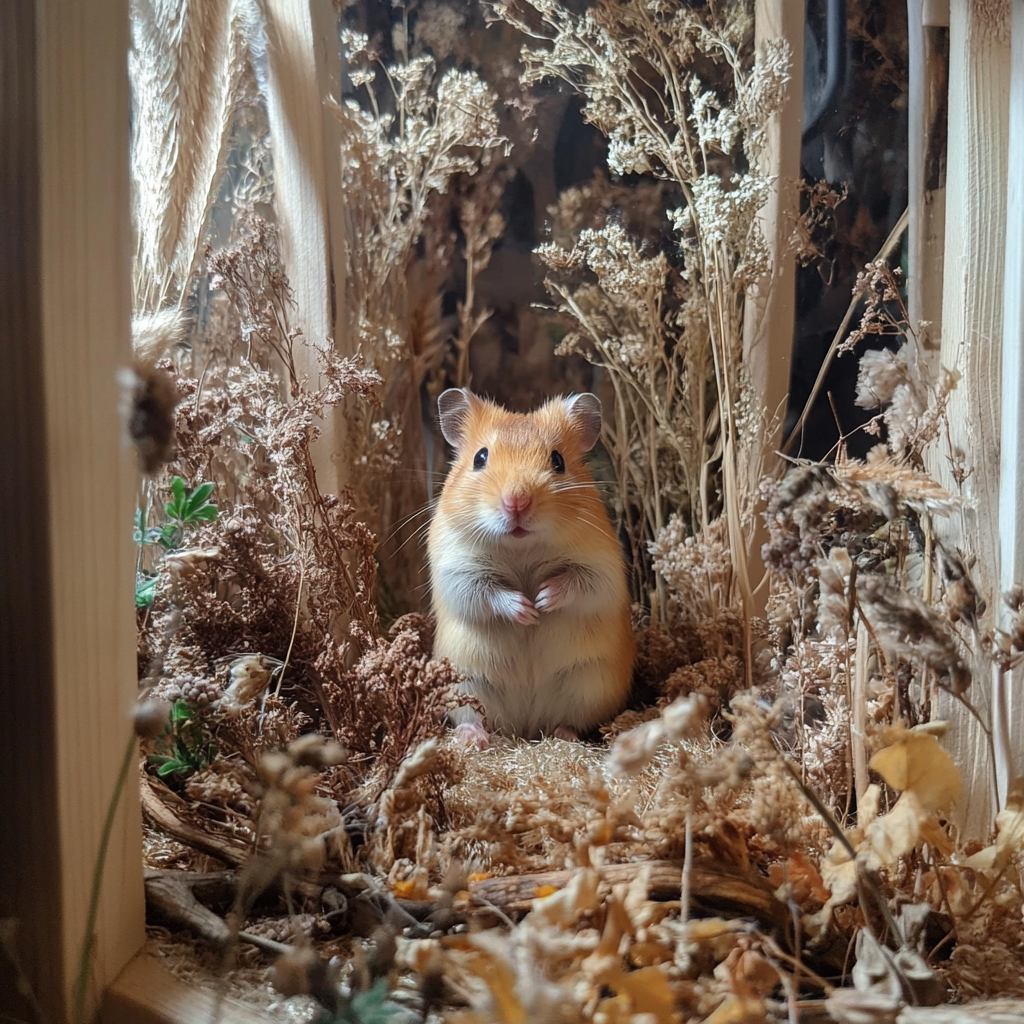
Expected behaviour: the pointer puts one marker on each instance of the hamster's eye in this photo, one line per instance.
(480, 459)
(557, 462)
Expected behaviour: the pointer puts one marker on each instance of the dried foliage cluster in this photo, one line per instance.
(764, 832)
(411, 134)
(682, 99)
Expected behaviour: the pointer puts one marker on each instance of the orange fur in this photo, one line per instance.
(539, 619)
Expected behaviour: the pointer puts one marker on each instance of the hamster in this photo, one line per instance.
(529, 583)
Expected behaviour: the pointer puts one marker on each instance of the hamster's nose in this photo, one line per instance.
(517, 504)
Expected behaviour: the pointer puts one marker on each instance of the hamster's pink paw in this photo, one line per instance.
(563, 732)
(518, 607)
(472, 734)
(552, 594)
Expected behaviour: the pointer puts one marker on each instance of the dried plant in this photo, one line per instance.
(409, 132)
(680, 97)
(716, 854)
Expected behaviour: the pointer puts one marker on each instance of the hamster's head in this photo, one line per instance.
(519, 477)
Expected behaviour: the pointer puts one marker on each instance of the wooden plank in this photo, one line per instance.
(768, 317)
(972, 318)
(926, 166)
(145, 992)
(298, 56)
(1008, 705)
(67, 568)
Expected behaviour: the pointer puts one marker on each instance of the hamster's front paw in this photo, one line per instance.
(516, 606)
(472, 734)
(563, 732)
(552, 593)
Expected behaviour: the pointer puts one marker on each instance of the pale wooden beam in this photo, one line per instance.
(972, 327)
(145, 992)
(768, 317)
(1008, 707)
(303, 66)
(67, 618)
(927, 21)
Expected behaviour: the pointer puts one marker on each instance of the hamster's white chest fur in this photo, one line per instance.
(531, 679)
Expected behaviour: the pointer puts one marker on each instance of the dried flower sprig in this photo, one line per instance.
(668, 327)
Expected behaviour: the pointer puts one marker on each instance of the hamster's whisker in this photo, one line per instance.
(418, 534)
(408, 519)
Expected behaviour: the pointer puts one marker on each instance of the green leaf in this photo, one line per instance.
(207, 513)
(171, 767)
(181, 712)
(199, 497)
(145, 591)
(178, 489)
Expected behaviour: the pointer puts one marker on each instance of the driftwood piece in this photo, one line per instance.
(714, 888)
(158, 813)
(172, 895)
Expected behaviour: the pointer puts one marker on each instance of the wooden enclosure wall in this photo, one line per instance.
(1008, 702)
(67, 625)
(768, 316)
(971, 341)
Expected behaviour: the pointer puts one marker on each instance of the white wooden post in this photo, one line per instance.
(972, 328)
(768, 317)
(304, 67)
(67, 619)
(927, 193)
(1008, 707)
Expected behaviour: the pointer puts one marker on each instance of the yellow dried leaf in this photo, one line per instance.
(562, 908)
(500, 981)
(647, 989)
(895, 834)
(404, 890)
(647, 954)
(916, 763)
(738, 1010)
(839, 875)
(479, 876)
(1009, 834)
(545, 890)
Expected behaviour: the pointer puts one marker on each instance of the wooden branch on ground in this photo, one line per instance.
(714, 887)
(157, 813)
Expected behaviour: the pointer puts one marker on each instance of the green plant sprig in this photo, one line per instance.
(186, 508)
(187, 738)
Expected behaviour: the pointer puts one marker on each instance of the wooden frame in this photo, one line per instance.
(971, 342)
(66, 562)
(1007, 704)
(769, 317)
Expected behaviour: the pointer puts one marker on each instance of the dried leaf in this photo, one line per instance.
(1009, 835)
(916, 763)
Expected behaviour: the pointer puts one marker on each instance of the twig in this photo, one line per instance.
(883, 253)
(85, 957)
(840, 835)
(295, 625)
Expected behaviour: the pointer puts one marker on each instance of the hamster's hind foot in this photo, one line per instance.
(472, 734)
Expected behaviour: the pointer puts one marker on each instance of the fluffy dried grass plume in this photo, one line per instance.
(187, 62)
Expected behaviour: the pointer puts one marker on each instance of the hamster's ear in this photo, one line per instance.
(453, 407)
(585, 414)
